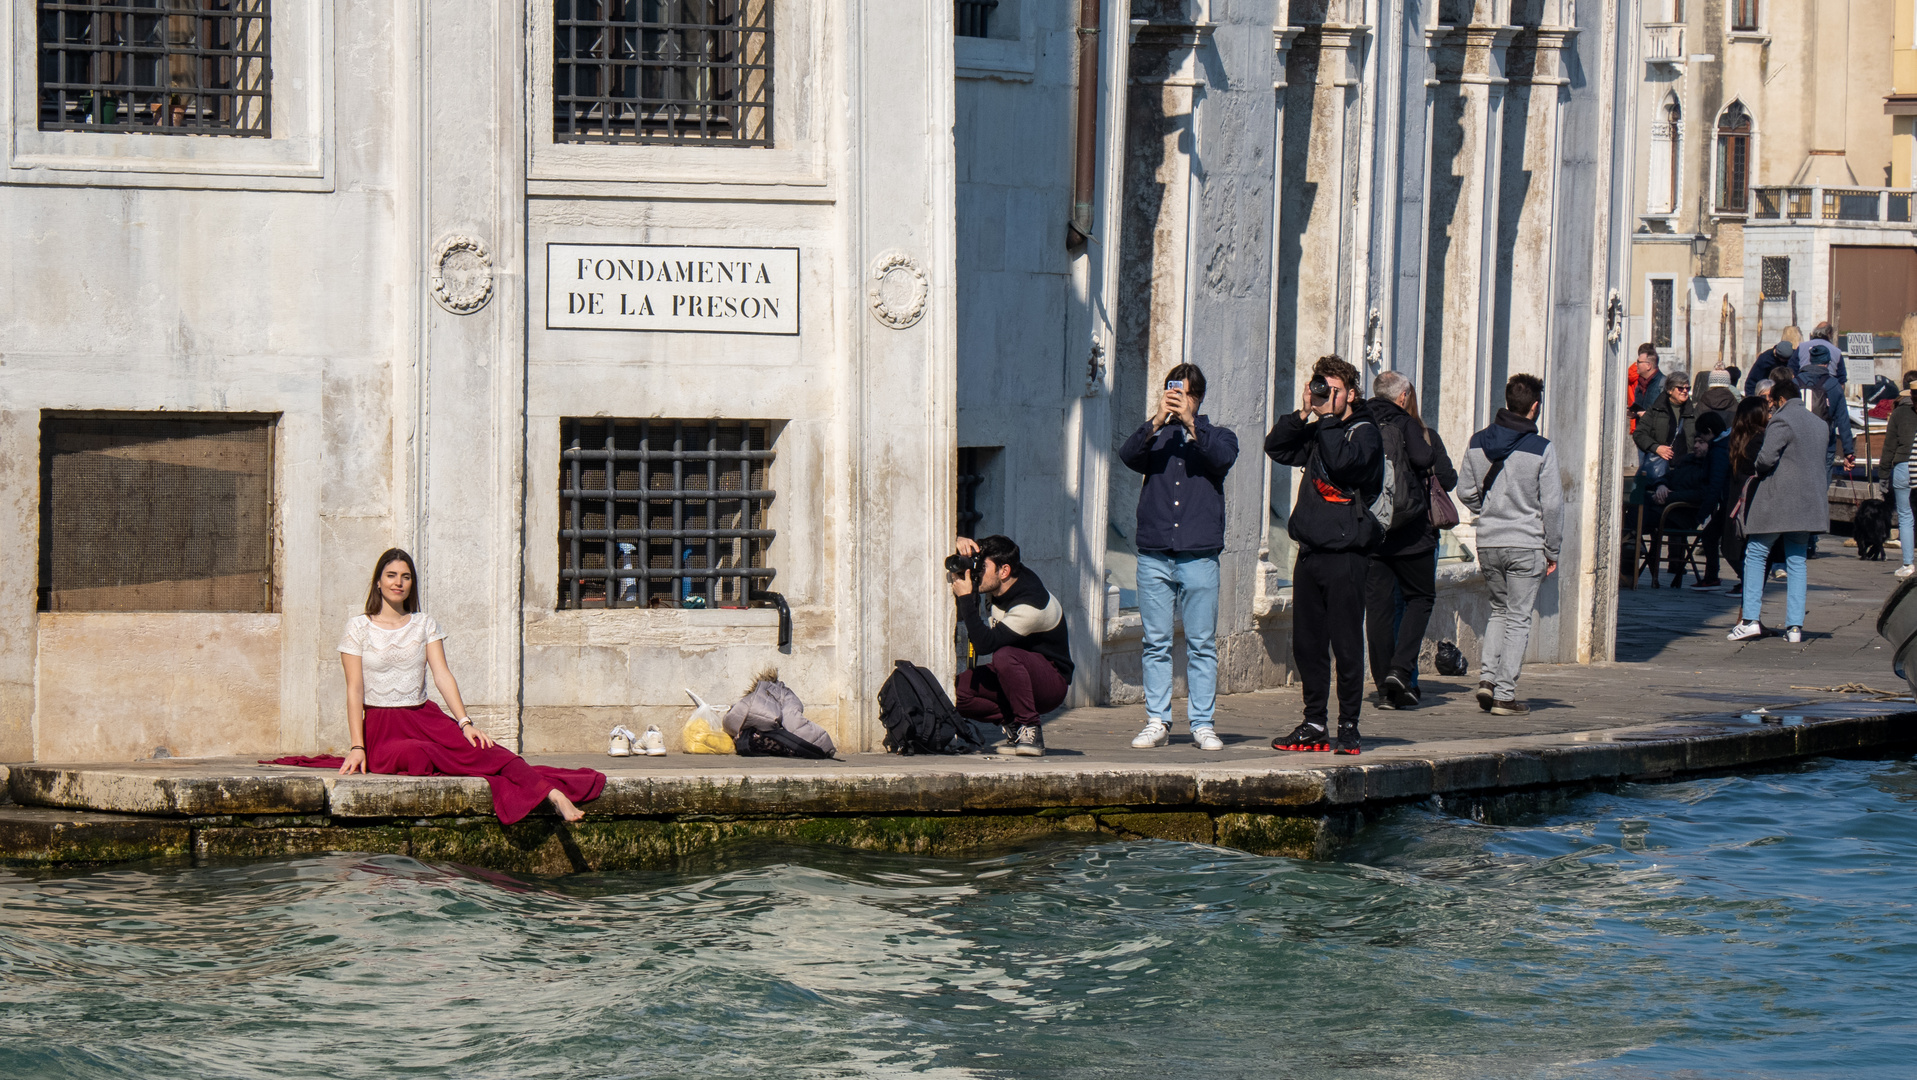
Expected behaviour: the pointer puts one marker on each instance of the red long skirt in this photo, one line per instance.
(424, 741)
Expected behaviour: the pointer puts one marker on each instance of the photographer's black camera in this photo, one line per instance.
(968, 565)
(1320, 389)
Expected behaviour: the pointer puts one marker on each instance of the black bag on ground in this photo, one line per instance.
(918, 716)
(1450, 660)
(1871, 528)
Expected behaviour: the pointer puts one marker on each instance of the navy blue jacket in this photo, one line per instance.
(1182, 505)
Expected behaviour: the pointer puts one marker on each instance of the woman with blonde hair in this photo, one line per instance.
(387, 652)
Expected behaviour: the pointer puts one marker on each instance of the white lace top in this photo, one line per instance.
(393, 661)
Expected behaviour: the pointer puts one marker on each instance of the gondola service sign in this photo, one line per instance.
(712, 290)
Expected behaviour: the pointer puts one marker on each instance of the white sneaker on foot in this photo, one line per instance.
(1156, 733)
(653, 742)
(1794, 634)
(1746, 631)
(1205, 738)
(1905, 571)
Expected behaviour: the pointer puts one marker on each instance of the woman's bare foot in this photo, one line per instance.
(564, 805)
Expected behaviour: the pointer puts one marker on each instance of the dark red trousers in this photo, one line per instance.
(1017, 687)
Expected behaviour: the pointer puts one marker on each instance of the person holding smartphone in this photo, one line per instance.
(1181, 529)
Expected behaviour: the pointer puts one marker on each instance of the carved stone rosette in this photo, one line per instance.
(898, 290)
(462, 274)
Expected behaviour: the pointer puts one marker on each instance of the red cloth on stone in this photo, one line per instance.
(424, 741)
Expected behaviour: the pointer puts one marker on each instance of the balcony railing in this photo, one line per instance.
(1664, 44)
(1848, 206)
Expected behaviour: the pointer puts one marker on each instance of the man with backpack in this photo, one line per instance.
(1335, 445)
(1510, 477)
(1181, 530)
(1009, 614)
(1406, 562)
(1820, 380)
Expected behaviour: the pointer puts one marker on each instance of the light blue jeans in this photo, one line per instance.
(1906, 521)
(1188, 580)
(1757, 555)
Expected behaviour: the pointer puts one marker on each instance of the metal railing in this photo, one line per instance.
(1882, 206)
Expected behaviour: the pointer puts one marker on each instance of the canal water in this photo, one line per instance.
(1742, 926)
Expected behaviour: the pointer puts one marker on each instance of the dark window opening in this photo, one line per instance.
(682, 72)
(970, 476)
(1663, 300)
(663, 513)
(165, 67)
(974, 17)
(1777, 277)
(140, 512)
(1744, 16)
(1733, 159)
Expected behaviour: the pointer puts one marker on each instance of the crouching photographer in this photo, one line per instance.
(1009, 614)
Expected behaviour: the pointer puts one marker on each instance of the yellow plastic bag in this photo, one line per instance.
(703, 733)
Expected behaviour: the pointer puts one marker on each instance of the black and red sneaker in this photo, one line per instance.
(1305, 737)
(1347, 741)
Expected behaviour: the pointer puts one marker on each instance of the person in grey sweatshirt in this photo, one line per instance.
(1510, 478)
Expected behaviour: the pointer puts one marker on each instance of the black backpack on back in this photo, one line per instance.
(918, 716)
(1408, 492)
(1814, 390)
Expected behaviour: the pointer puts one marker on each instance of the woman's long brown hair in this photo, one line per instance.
(374, 602)
(1747, 433)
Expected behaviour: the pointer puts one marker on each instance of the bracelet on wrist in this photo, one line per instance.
(356, 746)
(465, 723)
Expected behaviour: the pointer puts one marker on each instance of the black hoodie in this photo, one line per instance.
(1026, 616)
(1341, 463)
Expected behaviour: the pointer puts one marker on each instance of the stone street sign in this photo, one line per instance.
(714, 290)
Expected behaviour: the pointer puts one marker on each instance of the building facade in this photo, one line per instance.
(678, 338)
(1774, 178)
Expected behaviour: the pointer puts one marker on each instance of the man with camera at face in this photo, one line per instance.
(1008, 613)
(1339, 452)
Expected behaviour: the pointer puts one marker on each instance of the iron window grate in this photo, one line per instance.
(678, 72)
(1777, 277)
(974, 17)
(663, 513)
(164, 67)
(1663, 299)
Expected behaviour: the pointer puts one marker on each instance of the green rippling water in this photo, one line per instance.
(1747, 926)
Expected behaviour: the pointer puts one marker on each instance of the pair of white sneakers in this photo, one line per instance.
(1158, 733)
(627, 744)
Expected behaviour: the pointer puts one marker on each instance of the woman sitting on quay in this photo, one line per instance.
(1789, 504)
(397, 729)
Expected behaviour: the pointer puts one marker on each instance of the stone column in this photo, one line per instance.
(1321, 207)
(1525, 226)
(468, 446)
(1466, 157)
(1265, 590)
(899, 375)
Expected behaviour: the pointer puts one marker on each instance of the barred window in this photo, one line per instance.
(685, 72)
(663, 513)
(974, 17)
(166, 67)
(1663, 300)
(1777, 277)
(146, 512)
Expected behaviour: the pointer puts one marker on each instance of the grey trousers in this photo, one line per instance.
(1512, 575)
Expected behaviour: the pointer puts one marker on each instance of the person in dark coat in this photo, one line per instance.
(1900, 440)
(1665, 429)
(1402, 583)
(1692, 492)
(1781, 353)
(1790, 504)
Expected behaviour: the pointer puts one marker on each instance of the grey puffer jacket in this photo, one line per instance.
(1793, 469)
(770, 705)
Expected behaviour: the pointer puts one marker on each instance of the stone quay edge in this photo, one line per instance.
(655, 810)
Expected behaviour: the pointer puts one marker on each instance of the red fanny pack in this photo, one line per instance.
(1330, 493)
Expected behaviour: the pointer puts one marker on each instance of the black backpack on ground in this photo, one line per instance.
(918, 716)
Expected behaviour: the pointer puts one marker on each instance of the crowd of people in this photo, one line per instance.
(1751, 476)
(1373, 498)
